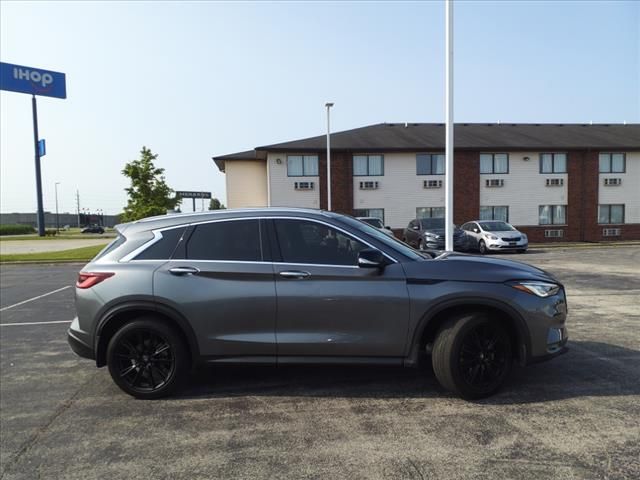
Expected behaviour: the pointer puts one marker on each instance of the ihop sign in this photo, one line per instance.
(35, 81)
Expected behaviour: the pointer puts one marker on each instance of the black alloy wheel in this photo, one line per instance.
(147, 358)
(485, 352)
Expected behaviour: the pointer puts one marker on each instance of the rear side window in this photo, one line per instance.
(110, 247)
(163, 249)
(233, 240)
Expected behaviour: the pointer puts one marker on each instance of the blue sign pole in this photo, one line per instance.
(34, 107)
(34, 81)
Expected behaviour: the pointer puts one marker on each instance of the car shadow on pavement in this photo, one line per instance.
(588, 369)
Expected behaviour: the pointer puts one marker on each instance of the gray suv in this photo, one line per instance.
(294, 286)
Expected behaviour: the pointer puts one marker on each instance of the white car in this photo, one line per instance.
(377, 223)
(495, 235)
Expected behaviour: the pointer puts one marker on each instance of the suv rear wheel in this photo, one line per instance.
(147, 358)
(472, 355)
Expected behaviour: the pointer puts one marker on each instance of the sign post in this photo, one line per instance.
(34, 81)
(193, 196)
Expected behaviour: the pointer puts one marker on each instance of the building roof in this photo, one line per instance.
(389, 137)
(248, 155)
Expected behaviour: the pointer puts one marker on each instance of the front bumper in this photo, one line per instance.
(547, 326)
(503, 245)
(438, 243)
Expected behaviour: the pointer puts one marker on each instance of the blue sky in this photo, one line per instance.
(195, 79)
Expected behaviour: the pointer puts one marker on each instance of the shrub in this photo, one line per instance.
(16, 229)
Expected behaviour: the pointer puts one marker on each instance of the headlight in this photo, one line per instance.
(524, 236)
(541, 289)
(490, 236)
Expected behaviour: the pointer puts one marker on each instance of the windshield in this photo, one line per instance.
(496, 227)
(431, 223)
(374, 222)
(382, 237)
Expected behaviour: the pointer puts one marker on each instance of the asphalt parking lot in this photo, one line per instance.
(577, 416)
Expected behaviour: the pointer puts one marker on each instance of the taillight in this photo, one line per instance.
(89, 279)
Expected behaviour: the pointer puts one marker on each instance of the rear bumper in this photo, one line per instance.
(77, 344)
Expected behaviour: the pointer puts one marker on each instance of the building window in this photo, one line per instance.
(370, 212)
(553, 163)
(613, 214)
(553, 215)
(612, 163)
(430, 212)
(302, 165)
(494, 163)
(368, 165)
(430, 164)
(494, 213)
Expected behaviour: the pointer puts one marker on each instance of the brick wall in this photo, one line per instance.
(466, 186)
(341, 181)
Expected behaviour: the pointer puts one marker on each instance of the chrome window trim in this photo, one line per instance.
(157, 235)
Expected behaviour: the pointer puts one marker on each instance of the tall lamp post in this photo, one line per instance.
(57, 215)
(448, 232)
(328, 105)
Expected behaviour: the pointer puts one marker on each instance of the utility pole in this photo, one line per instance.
(78, 206)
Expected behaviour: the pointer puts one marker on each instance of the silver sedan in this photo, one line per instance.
(495, 235)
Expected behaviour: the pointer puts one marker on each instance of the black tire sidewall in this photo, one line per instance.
(482, 247)
(177, 346)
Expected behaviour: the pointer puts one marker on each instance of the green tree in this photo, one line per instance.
(149, 193)
(216, 204)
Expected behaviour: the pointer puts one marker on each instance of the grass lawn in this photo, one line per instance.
(77, 254)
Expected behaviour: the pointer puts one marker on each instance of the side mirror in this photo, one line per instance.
(476, 230)
(416, 227)
(371, 258)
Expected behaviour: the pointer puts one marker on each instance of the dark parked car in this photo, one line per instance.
(428, 234)
(92, 229)
(284, 286)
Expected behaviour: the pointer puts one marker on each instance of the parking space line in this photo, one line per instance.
(34, 298)
(34, 323)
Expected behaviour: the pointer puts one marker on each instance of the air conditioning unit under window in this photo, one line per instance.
(555, 182)
(304, 185)
(432, 184)
(494, 182)
(612, 182)
(553, 233)
(369, 185)
(611, 232)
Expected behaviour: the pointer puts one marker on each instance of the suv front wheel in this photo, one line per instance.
(147, 358)
(472, 355)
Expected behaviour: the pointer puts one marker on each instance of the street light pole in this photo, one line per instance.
(448, 209)
(57, 215)
(328, 105)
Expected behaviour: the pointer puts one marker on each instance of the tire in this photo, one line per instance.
(469, 368)
(482, 247)
(421, 245)
(147, 358)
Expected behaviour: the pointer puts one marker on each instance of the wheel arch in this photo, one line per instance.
(435, 317)
(120, 314)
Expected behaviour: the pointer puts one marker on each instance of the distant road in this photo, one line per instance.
(8, 247)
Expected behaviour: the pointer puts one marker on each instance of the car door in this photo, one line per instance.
(221, 280)
(327, 305)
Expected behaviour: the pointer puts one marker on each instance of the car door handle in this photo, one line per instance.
(180, 271)
(294, 274)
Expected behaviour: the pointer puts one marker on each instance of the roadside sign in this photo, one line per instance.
(193, 194)
(42, 148)
(34, 81)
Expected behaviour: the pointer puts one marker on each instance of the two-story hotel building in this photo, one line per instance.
(568, 182)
